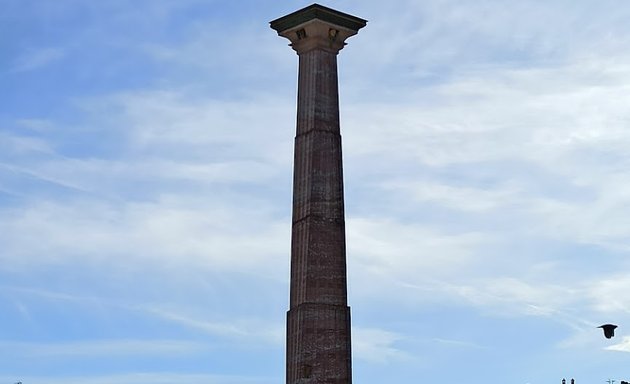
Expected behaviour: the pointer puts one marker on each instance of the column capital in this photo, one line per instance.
(317, 27)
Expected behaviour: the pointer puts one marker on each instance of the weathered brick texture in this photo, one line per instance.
(318, 321)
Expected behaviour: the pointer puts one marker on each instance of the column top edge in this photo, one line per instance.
(316, 11)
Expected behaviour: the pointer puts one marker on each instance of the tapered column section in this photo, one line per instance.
(318, 321)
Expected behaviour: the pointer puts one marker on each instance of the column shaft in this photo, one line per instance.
(318, 251)
(318, 322)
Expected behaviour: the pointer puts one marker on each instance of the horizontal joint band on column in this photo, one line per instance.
(318, 218)
(315, 305)
(318, 130)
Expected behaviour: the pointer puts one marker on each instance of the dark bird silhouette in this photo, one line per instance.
(609, 330)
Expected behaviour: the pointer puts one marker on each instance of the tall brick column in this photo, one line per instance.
(318, 321)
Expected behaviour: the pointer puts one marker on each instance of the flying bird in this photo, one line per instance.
(609, 330)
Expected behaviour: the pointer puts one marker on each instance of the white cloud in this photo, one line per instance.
(193, 53)
(111, 178)
(446, 36)
(623, 346)
(37, 58)
(18, 145)
(165, 140)
(100, 348)
(541, 115)
(176, 230)
(38, 125)
(455, 197)
(246, 330)
(178, 124)
(54, 295)
(143, 378)
(377, 345)
(548, 144)
(608, 294)
(458, 343)
(514, 296)
(388, 247)
(249, 328)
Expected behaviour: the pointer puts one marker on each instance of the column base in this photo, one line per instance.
(318, 344)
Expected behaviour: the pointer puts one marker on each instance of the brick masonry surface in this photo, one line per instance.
(318, 320)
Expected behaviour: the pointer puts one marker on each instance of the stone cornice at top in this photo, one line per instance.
(316, 11)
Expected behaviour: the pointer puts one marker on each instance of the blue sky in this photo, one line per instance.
(145, 190)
